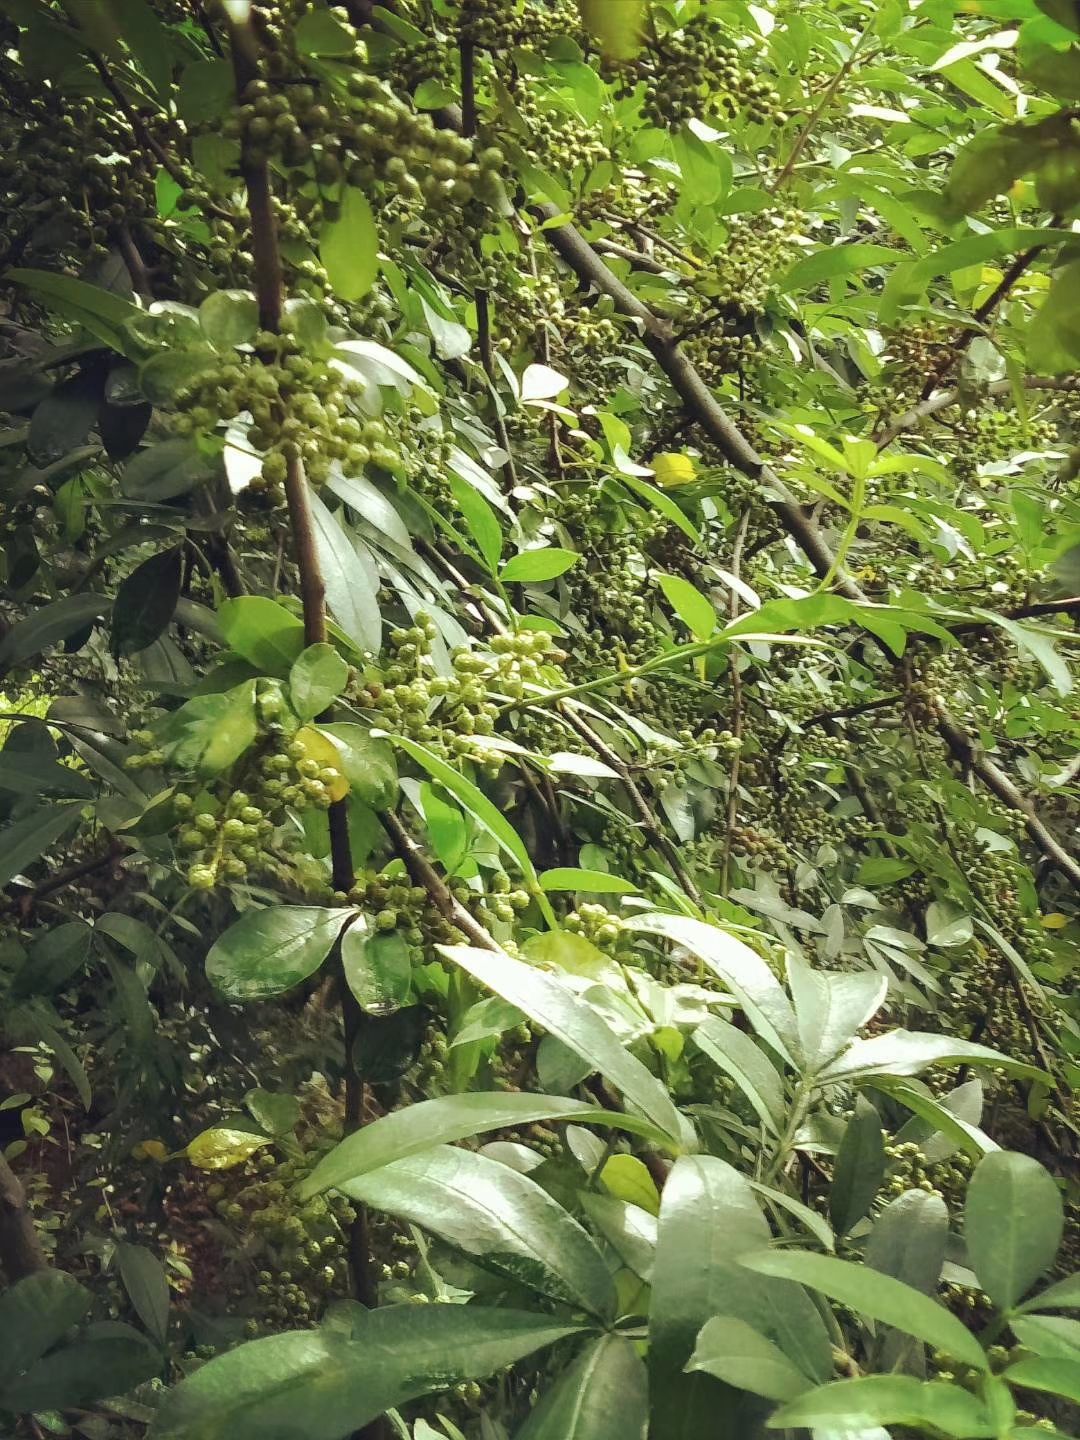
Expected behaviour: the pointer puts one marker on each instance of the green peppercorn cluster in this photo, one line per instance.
(300, 405)
(452, 713)
(909, 1169)
(364, 137)
(500, 25)
(596, 923)
(696, 73)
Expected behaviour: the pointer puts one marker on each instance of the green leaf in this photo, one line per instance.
(579, 1027)
(49, 624)
(229, 318)
(546, 563)
(263, 632)
(277, 1114)
(878, 1296)
(708, 1220)
(34, 1314)
(351, 589)
(349, 245)
(947, 924)
(92, 1368)
(480, 520)
(1055, 1376)
(318, 33)
(147, 1287)
(377, 969)
(751, 1069)
(366, 761)
(167, 469)
(831, 1007)
(832, 261)
(448, 1118)
(859, 1168)
(210, 733)
(206, 91)
(628, 1229)
(1051, 1336)
(501, 1217)
(267, 952)
(323, 1384)
(942, 1118)
(1013, 1223)
(618, 26)
(100, 311)
(595, 882)
(1065, 1295)
(909, 1238)
(224, 1146)
(985, 167)
(887, 1400)
(906, 1052)
(601, 1396)
(695, 610)
(627, 1178)
(743, 971)
(27, 839)
(146, 602)
(472, 799)
(318, 676)
(735, 1353)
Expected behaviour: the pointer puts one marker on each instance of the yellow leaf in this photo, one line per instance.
(626, 1177)
(151, 1150)
(673, 470)
(319, 747)
(618, 25)
(219, 1148)
(1054, 921)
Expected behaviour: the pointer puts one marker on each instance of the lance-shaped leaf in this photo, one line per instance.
(603, 1395)
(579, 1027)
(498, 1215)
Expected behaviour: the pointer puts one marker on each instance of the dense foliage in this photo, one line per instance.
(539, 790)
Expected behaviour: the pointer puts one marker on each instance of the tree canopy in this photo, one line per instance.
(538, 761)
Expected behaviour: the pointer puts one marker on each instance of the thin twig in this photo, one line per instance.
(736, 707)
(819, 110)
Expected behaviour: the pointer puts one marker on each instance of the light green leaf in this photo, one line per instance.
(448, 1118)
(906, 1052)
(888, 1400)
(579, 1027)
(1065, 1295)
(596, 882)
(751, 1069)
(737, 1354)
(351, 588)
(229, 318)
(537, 565)
(1013, 1223)
(317, 677)
(349, 245)
(695, 610)
(831, 1007)
(263, 632)
(742, 970)
(1055, 1376)
(366, 761)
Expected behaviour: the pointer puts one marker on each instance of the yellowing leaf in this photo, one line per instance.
(673, 470)
(151, 1150)
(618, 25)
(1054, 922)
(325, 752)
(220, 1148)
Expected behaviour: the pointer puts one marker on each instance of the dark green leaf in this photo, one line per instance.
(324, 1385)
(147, 1287)
(30, 836)
(859, 1168)
(34, 1314)
(737, 1354)
(377, 968)
(49, 624)
(499, 1216)
(267, 952)
(88, 1370)
(146, 601)
(603, 1395)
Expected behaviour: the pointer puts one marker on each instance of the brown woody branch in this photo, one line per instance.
(945, 399)
(20, 1249)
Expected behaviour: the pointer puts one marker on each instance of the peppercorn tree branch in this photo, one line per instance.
(270, 296)
(20, 1249)
(699, 402)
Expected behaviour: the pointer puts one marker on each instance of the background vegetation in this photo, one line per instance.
(539, 777)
